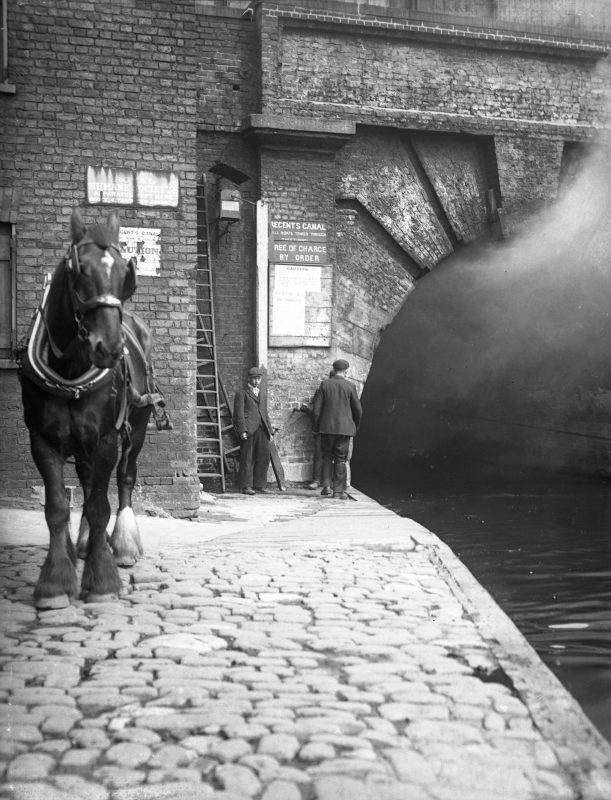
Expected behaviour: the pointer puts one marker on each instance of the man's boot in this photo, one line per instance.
(326, 477)
(339, 480)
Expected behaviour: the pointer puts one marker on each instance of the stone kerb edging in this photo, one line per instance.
(554, 711)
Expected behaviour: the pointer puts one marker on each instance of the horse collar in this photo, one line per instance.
(35, 367)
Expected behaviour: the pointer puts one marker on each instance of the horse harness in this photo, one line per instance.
(34, 366)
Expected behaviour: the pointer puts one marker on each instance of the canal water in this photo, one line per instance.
(544, 554)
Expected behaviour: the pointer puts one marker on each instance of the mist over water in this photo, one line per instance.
(499, 362)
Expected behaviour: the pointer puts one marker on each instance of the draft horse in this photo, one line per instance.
(88, 392)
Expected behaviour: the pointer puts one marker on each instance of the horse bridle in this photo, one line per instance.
(80, 307)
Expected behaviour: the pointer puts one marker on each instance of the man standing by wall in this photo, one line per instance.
(254, 430)
(336, 417)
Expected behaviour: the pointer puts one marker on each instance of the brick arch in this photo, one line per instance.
(405, 202)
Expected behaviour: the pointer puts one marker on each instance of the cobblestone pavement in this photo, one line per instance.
(318, 651)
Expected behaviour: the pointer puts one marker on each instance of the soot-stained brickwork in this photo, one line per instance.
(404, 130)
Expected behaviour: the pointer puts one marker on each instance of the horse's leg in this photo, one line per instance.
(125, 540)
(57, 581)
(100, 576)
(83, 471)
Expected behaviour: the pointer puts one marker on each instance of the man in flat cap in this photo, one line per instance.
(254, 429)
(336, 417)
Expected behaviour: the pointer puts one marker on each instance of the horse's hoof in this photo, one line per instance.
(52, 603)
(92, 597)
(126, 561)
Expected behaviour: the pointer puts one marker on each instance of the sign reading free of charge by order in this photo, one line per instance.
(298, 242)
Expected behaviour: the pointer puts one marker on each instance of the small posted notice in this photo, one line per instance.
(288, 318)
(144, 245)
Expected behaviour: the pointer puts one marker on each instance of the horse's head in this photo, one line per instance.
(99, 280)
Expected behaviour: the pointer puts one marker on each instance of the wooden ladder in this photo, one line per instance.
(217, 443)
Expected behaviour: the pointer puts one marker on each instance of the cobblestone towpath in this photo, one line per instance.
(282, 647)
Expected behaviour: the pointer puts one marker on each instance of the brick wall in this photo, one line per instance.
(459, 175)
(297, 185)
(529, 171)
(427, 76)
(377, 170)
(112, 85)
(149, 84)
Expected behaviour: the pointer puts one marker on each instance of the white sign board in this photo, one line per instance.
(110, 186)
(156, 189)
(144, 245)
(291, 284)
(127, 187)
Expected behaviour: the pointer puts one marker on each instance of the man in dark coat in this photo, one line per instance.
(254, 429)
(336, 417)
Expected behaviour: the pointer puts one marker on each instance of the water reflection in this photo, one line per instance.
(544, 554)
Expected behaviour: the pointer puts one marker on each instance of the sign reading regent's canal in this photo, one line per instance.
(300, 284)
(142, 244)
(298, 242)
(299, 230)
(126, 187)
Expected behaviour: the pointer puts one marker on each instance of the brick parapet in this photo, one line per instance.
(559, 20)
(595, 43)
(316, 67)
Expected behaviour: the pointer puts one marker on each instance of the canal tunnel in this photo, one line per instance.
(497, 363)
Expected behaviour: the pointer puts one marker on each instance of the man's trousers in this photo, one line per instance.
(254, 460)
(335, 450)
